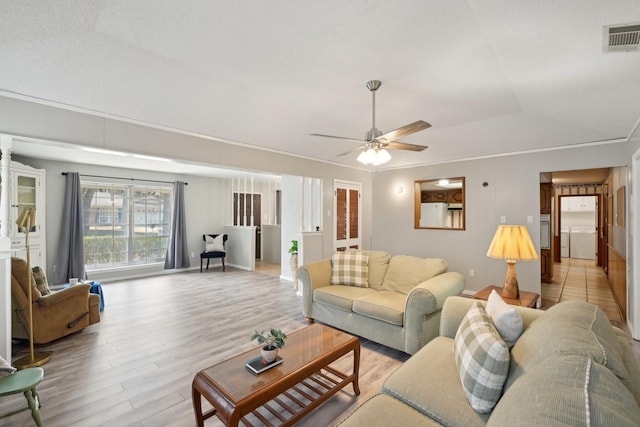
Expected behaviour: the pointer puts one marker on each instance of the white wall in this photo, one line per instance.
(513, 191)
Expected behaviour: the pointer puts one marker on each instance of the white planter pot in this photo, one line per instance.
(293, 263)
(269, 355)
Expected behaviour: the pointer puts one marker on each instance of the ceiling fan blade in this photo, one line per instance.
(362, 141)
(404, 131)
(353, 150)
(397, 145)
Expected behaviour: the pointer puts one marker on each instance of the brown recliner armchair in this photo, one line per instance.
(55, 315)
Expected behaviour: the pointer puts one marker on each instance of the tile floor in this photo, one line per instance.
(580, 279)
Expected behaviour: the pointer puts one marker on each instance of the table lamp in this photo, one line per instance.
(26, 223)
(512, 243)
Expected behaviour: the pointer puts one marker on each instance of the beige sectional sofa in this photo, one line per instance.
(396, 301)
(569, 367)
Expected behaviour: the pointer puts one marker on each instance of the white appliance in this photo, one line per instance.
(583, 242)
(564, 242)
(545, 231)
(434, 214)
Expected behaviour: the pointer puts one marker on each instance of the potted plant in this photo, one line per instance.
(272, 340)
(293, 262)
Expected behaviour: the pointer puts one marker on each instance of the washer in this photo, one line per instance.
(583, 243)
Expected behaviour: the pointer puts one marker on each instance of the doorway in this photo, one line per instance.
(578, 225)
(247, 211)
(348, 215)
(592, 236)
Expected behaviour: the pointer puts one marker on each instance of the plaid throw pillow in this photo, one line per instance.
(350, 268)
(40, 280)
(482, 358)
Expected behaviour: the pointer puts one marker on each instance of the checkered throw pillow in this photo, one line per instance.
(350, 268)
(40, 280)
(482, 358)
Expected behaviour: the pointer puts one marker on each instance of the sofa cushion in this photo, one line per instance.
(340, 296)
(567, 390)
(406, 272)
(429, 382)
(378, 264)
(350, 268)
(482, 358)
(384, 410)
(505, 318)
(575, 328)
(382, 305)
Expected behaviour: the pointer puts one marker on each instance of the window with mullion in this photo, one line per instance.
(125, 224)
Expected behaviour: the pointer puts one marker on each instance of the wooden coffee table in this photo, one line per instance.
(283, 394)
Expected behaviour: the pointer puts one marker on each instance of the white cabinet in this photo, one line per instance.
(27, 187)
(579, 204)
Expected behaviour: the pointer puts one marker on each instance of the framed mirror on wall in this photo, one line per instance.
(440, 204)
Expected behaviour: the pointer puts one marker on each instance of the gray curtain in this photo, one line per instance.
(177, 252)
(70, 257)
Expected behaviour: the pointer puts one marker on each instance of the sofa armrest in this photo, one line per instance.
(80, 292)
(424, 302)
(313, 276)
(456, 308)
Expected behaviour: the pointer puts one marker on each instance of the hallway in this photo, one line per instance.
(581, 279)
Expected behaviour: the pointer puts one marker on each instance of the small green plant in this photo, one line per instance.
(272, 339)
(294, 247)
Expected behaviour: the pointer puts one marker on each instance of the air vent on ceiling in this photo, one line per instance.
(621, 37)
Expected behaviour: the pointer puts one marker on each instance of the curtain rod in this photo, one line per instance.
(128, 179)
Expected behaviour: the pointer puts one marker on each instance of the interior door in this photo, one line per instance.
(348, 216)
(246, 211)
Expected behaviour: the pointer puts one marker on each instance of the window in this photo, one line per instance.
(125, 224)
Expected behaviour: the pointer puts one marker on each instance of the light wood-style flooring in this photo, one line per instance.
(135, 367)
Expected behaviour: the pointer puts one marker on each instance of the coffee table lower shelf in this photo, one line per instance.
(281, 395)
(292, 405)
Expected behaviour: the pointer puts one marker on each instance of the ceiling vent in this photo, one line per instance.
(621, 37)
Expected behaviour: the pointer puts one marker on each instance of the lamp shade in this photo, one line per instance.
(512, 242)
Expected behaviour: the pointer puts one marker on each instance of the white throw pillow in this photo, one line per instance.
(215, 244)
(506, 318)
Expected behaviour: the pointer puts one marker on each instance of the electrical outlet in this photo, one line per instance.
(503, 219)
(471, 273)
(193, 254)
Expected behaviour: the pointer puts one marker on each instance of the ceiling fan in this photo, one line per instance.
(375, 143)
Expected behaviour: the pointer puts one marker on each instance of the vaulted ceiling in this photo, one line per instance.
(491, 77)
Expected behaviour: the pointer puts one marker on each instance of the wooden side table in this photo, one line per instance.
(527, 299)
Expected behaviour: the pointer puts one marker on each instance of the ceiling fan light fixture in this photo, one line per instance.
(374, 156)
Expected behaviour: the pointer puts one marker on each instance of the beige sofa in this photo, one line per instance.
(399, 306)
(570, 367)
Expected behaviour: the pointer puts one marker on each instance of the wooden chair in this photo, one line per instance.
(212, 252)
(24, 381)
